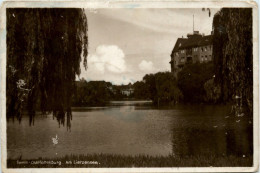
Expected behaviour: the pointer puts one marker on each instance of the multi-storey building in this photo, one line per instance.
(196, 48)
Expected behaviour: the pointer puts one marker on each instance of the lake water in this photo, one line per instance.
(132, 128)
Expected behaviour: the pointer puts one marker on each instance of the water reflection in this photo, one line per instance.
(134, 128)
(227, 138)
(240, 140)
(130, 103)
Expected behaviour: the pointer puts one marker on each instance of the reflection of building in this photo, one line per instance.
(194, 48)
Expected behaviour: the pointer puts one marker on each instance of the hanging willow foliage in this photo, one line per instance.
(44, 50)
(233, 57)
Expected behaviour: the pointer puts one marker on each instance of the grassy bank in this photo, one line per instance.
(107, 160)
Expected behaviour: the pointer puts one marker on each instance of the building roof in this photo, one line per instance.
(192, 41)
(206, 40)
(179, 43)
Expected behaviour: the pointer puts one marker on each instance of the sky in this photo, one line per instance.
(125, 44)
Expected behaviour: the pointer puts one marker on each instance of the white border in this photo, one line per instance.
(130, 4)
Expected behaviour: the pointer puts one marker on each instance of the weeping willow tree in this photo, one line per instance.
(233, 58)
(44, 50)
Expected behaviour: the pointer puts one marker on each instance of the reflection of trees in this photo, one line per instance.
(233, 139)
(197, 141)
(239, 137)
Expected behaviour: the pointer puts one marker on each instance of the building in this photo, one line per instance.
(127, 91)
(196, 48)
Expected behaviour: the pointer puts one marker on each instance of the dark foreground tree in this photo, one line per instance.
(44, 50)
(233, 57)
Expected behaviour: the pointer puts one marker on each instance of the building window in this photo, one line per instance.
(206, 58)
(205, 48)
(209, 57)
(202, 58)
(202, 49)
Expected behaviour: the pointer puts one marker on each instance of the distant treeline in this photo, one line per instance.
(194, 84)
(96, 93)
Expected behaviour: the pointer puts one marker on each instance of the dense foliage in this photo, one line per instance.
(93, 93)
(141, 91)
(233, 57)
(191, 81)
(212, 91)
(44, 50)
(162, 88)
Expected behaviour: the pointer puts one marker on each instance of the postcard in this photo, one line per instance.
(129, 86)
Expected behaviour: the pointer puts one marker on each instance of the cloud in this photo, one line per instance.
(146, 66)
(164, 20)
(108, 58)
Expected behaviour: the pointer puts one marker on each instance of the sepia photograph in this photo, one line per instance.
(129, 87)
